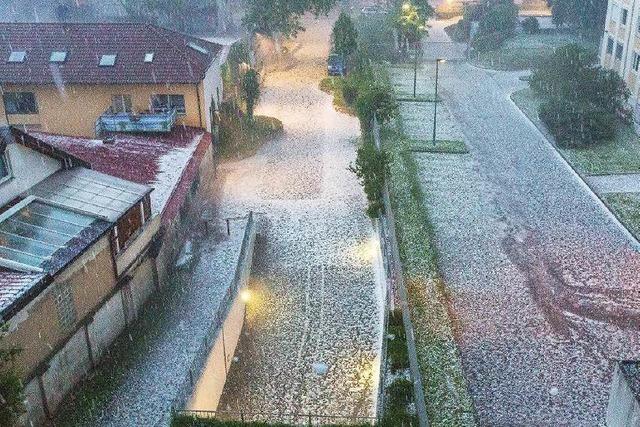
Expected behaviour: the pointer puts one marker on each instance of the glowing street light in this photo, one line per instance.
(245, 295)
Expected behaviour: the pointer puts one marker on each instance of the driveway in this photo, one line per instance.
(543, 279)
(317, 281)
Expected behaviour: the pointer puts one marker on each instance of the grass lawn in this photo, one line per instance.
(241, 139)
(333, 86)
(627, 208)
(622, 155)
(441, 146)
(526, 51)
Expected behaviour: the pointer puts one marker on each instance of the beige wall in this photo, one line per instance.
(36, 328)
(74, 110)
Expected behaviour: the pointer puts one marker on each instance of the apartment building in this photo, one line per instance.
(91, 79)
(620, 49)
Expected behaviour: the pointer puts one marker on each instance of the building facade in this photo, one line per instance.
(87, 79)
(620, 48)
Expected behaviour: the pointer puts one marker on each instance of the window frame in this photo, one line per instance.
(611, 45)
(7, 165)
(636, 62)
(168, 105)
(124, 101)
(624, 16)
(7, 110)
(619, 48)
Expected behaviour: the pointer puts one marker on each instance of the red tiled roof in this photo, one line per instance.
(145, 159)
(174, 61)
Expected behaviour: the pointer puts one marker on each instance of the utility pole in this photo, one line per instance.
(435, 102)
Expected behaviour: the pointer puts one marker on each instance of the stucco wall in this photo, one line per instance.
(209, 89)
(28, 167)
(74, 110)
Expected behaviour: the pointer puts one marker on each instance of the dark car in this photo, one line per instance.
(336, 65)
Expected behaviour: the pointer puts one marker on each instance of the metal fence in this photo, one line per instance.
(241, 276)
(294, 419)
(399, 290)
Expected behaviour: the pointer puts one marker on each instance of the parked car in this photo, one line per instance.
(336, 65)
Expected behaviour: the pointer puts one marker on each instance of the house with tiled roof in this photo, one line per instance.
(91, 79)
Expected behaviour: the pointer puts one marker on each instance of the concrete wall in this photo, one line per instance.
(623, 409)
(85, 103)
(28, 167)
(210, 87)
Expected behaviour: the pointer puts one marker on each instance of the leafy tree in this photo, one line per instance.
(411, 21)
(497, 22)
(581, 100)
(344, 38)
(251, 90)
(182, 15)
(585, 16)
(11, 397)
(375, 100)
(372, 167)
(282, 16)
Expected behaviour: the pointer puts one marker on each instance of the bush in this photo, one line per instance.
(531, 25)
(375, 100)
(581, 100)
(371, 168)
(350, 90)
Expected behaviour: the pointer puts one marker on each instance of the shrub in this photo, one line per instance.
(250, 90)
(12, 405)
(531, 25)
(371, 168)
(350, 90)
(375, 100)
(576, 123)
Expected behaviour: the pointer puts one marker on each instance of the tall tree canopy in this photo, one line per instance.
(586, 16)
(282, 16)
(344, 38)
(182, 15)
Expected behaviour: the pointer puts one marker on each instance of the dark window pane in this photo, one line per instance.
(20, 103)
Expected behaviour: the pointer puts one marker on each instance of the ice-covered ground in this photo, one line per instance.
(316, 281)
(542, 279)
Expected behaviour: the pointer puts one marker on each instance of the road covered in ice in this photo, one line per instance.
(316, 285)
(543, 280)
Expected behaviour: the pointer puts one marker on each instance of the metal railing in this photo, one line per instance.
(294, 419)
(160, 121)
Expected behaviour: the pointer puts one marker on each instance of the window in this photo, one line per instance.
(121, 104)
(160, 103)
(619, 48)
(18, 56)
(5, 169)
(636, 61)
(108, 60)
(20, 103)
(609, 46)
(623, 17)
(58, 56)
(148, 57)
(63, 298)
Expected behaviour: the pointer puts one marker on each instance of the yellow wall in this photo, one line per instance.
(75, 110)
(36, 329)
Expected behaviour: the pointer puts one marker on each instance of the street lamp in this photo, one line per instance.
(435, 101)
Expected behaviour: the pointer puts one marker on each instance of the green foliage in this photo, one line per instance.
(241, 137)
(181, 15)
(497, 22)
(250, 90)
(531, 25)
(376, 37)
(397, 352)
(281, 16)
(375, 99)
(580, 100)
(193, 421)
(585, 16)
(350, 90)
(371, 168)
(344, 38)
(11, 396)
(411, 20)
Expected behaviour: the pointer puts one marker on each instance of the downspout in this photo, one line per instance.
(6, 116)
(199, 106)
(631, 31)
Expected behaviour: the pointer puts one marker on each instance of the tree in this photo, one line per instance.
(497, 22)
(375, 100)
(181, 15)
(411, 21)
(531, 25)
(344, 38)
(251, 90)
(282, 16)
(372, 167)
(11, 396)
(585, 16)
(581, 101)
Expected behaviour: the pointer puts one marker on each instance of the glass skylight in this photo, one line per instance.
(108, 60)
(32, 231)
(58, 56)
(198, 48)
(148, 57)
(17, 56)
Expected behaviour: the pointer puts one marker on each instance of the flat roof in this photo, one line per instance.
(90, 191)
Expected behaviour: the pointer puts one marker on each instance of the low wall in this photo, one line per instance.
(203, 387)
(623, 409)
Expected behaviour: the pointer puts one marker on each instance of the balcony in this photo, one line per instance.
(160, 121)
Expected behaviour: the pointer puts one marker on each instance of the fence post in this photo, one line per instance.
(310, 419)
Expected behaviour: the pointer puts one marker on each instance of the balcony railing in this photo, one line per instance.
(143, 122)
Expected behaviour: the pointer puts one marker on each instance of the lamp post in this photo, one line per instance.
(435, 101)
